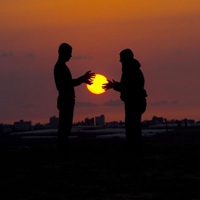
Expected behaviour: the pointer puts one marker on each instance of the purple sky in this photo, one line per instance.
(164, 36)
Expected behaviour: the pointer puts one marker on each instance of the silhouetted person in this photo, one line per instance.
(133, 94)
(66, 94)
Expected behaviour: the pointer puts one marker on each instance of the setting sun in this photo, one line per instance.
(96, 87)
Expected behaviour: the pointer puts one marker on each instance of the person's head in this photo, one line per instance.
(126, 55)
(65, 52)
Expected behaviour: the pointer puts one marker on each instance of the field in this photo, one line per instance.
(101, 169)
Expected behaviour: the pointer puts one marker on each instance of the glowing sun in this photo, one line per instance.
(96, 87)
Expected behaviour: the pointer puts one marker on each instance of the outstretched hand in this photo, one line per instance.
(88, 77)
(108, 85)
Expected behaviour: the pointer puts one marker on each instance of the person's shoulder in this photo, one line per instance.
(60, 65)
(136, 63)
(56, 67)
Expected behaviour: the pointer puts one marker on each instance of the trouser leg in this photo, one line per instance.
(65, 125)
(133, 131)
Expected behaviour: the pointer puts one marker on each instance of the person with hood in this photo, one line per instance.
(133, 94)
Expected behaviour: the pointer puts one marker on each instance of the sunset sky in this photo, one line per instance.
(164, 36)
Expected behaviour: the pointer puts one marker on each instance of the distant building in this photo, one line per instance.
(100, 121)
(89, 122)
(157, 120)
(38, 126)
(53, 122)
(22, 125)
(6, 128)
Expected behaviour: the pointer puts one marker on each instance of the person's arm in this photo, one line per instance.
(86, 78)
(112, 85)
(117, 86)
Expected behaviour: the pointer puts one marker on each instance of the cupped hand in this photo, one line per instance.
(88, 77)
(108, 85)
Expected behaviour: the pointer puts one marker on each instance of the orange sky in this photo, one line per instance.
(164, 36)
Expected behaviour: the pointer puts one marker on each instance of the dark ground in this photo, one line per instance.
(97, 169)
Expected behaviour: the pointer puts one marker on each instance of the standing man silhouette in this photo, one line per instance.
(66, 94)
(133, 94)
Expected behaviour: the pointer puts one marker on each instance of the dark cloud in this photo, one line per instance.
(113, 102)
(28, 106)
(85, 104)
(163, 103)
(5, 54)
(28, 54)
(80, 57)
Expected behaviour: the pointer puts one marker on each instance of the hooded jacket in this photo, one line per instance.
(131, 86)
